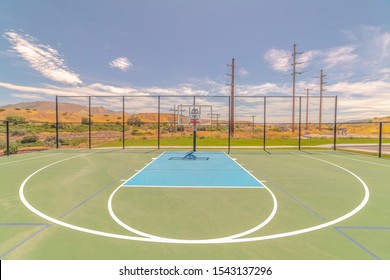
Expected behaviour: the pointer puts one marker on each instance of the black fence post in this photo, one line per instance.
(57, 124)
(265, 121)
(335, 124)
(300, 123)
(158, 124)
(380, 139)
(7, 136)
(229, 130)
(89, 123)
(123, 122)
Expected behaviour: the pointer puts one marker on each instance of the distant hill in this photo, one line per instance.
(63, 107)
(44, 111)
(381, 119)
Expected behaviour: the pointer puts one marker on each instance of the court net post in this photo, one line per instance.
(7, 137)
(380, 139)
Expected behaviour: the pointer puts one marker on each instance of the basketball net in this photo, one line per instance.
(194, 118)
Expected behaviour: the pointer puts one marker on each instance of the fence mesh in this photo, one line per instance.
(3, 138)
(386, 140)
(160, 121)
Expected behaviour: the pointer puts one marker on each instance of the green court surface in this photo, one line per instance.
(70, 204)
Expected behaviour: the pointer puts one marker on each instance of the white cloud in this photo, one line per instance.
(27, 96)
(364, 88)
(121, 63)
(42, 58)
(363, 99)
(340, 56)
(307, 57)
(243, 72)
(281, 60)
(278, 59)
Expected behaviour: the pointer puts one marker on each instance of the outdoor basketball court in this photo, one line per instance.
(151, 204)
(194, 169)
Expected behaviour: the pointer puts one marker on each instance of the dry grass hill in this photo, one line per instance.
(44, 111)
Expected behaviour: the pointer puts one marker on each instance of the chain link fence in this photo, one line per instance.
(163, 122)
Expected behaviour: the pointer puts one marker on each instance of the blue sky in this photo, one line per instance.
(96, 47)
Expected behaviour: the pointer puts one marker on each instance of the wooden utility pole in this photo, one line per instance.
(174, 116)
(322, 76)
(253, 122)
(232, 97)
(294, 73)
(307, 106)
(216, 117)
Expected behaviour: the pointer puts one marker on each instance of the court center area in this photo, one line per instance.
(153, 204)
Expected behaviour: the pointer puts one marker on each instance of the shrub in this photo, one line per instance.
(85, 120)
(2, 109)
(2, 144)
(29, 139)
(134, 121)
(13, 148)
(18, 132)
(50, 141)
(16, 119)
(135, 132)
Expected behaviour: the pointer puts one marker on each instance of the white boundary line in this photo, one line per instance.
(359, 160)
(172, 240)
(250, 239)
(235, 161)
(26, 159)
(193, 187)
(154, 159)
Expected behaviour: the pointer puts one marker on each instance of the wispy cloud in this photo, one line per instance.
(278, 59)
(27, 96)
(121, 63)
(340, 56)
(42, 58)
(243, 72)
(281, 60)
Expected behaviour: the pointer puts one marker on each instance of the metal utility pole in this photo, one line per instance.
(307, 106)
(214, 116)
(231, 128)
(322, 76)
(294, 73)
(174, 116)
(253, 122)
(217, 117)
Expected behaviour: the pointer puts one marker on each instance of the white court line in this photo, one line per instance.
(139, 171)
(192, 187)
(30, 158)
(250, 239)
(172, 240)
(354, 159)
(213, 240)
(235, 161)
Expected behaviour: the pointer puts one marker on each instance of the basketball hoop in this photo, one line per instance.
(194, 118)
(194, 123)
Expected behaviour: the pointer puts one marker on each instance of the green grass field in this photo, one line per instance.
(317, 193)
(208, 141)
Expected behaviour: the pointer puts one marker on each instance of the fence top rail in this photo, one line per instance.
(376, 122)
(191, 96)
